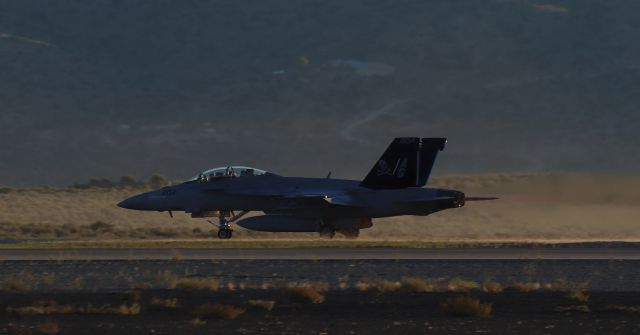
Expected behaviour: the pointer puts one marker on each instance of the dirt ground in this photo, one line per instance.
(343, 312)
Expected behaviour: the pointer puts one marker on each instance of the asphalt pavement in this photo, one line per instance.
(322, 254)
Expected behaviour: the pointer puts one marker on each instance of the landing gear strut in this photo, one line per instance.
(224, 225)
(327, 230)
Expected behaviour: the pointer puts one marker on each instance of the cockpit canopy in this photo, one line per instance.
(228, 172)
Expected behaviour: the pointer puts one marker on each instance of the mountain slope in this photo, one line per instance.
(137, 87)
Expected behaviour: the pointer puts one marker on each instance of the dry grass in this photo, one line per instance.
(217, 311)
(165, 303)
(266, 305)
(622, 308)
(462, 285)
(416, 284)
(380, 285)
(580, 296)
(49, 307)
(211, 284)
(197, 322)
(573, 308)
(492, 287)
(466, 306)
(49, 328)
(124, 309)
(90, 213)
(43, 307)
(302, 293)
(525, 287)
(557, 284)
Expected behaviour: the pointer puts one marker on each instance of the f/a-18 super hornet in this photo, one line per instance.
(290, 204)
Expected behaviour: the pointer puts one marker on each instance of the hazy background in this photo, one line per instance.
(108, 88)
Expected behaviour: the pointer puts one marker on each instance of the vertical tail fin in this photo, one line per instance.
(407, 162)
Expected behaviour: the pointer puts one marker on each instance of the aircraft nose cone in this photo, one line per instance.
(124, 204)
(131, 203)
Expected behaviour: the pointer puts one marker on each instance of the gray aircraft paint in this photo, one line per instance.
(393, 187)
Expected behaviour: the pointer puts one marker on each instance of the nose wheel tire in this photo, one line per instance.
(327, 231)
(225, 233)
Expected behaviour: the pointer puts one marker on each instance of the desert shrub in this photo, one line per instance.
(217, 311)
(46, 307)
(491, 287)
(266, 305)
(466, 306)
(197, 322)
(320, 286)
(416, 284)
(556, 284)
(460, 284)
(43, 307)
(211, 284)
(525, 287)
(166, 303)
(128, 180)
(380, 285)
(578, 308)
(158, 181)
(305, 294)
(59, 232)
(622, 308)
(5, 190)
(580, 296)
(35, 230)
(124, 309)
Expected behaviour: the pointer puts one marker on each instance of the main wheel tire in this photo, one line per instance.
(224, 233)
(327, 231)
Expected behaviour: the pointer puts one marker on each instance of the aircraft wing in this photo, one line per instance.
(341, 199)
(300, 197)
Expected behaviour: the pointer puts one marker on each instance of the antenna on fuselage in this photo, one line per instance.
(329, 175)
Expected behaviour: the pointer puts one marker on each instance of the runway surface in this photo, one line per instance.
(323, 254)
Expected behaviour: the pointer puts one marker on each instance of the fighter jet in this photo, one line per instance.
(393, 187)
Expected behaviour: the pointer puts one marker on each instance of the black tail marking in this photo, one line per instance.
(407, 162)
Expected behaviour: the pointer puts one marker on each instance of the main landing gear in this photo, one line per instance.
(327, 231)
(224, 225)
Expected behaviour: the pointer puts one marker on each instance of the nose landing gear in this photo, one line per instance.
(224, 225)
(225, 233)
